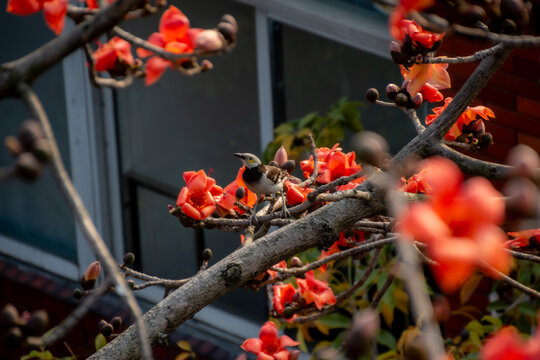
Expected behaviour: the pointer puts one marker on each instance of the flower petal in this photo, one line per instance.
(23, 7)
(54, 12)
(155, 66)
(252, 345)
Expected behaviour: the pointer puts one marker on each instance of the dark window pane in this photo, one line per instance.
(34, 213)
(318, 71)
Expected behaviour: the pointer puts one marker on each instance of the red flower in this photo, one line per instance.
(296, 194)
(416, 184)
(282, 264)
(420, 75)
(471, 114)
(418, 35)
(317, 291)
(524, 238)
(401, 10)
(332, 164)
(54, 11)
(228, 200)
(94, 4)
(431, 93)
(283, 295)
(458, 223)
(197, 199)
(506, 344)
(268, 346)
(114, 51)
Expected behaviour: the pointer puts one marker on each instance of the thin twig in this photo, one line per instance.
(341, 296)
(385, 103)
(524, 256)
(509, 40)
(382, 290)
(313, 177)
(98, 81)
(477, 56)
(84, 220)
(507, 279)
(61, 330)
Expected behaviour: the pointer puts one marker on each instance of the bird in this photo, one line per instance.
(263, 179)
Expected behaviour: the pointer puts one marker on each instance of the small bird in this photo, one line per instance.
(263, 179)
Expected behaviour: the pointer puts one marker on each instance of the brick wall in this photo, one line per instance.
(513, 93)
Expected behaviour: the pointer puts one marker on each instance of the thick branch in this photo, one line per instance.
(32, 65)
(321, 228)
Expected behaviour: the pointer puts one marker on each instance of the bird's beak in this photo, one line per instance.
(240, 155)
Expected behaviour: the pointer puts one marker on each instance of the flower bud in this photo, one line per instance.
(289, 165)
(228, 31)
(207, 254)
(372, 95)
(522, 197)
(281, 156)
(13, 145)
(77, 294)
(105, 328)
(240, 193)
(294, 355)
(90, 275)
(228, 18)
(13, 338)
(116, 323)
(42, 150)
(417, 100)
(9, 316)
(288, 312)
(296, 262)
(131, 284)
(206, 65)
(363, 331)
(30, 131)
(401, 99)
(209, 40)
(524, 160)
(129, 258)
(38, 322)
(395, 46)
(391, 91)
(27, 166)
(371, 148)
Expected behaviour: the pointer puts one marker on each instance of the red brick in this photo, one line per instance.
(517, 84)
(531, 141)
(499, 151)
(527, 68)
(516, 120)
(528, 106)
(501, 133)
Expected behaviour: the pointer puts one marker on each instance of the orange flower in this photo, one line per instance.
(268, 346)
(523, 238)
(94, 4)
(197, 199)
(315, 291)
(458, 223)
(282, 264)
(54, 11)
(469, 116)
(228, 200)
(283, 295)
(332, 164)
(416, 184)
(418, 35)
(114, 51)
(419, 75)
(506, 344)
(431, 93)
(296, 194)
(401, 10)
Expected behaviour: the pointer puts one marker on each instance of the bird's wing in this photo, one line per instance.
(274, 173)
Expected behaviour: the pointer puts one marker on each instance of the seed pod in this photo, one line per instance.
(401, 99)
(116, 323)
(289, 165)
(240, 193)
(296, 262)
(38, 322)
(231, 20)
(209, 40)
(391, 91)
(372, 95)
(30, 131)
(77, 294)
(42, 150)
(28, 167)
(228, 31)
(105, 328)
(13, 145)
(9, 316)
(207, 254)
(129, 258)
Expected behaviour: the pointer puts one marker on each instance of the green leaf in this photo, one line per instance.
(31, 355)
(527, 309)
(100, 341)
(335, 320)
(339, 339)
(285, 128)
(497, 305)
(492, 320)
(386, 338)
(524, 275)
(307, 120)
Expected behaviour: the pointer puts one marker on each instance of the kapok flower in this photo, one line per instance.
(272, 273)
(296, 194)
(54, 11)
(332, 164)
(471, 114)
(227, 202)
(197, 198)
(401, 10)
(115, 51)
(523, 238)
(458, 223)
(507, 344)
(283, 295)
(417, 34)
(421, 74)
(175, 35)
(315, 291)
(94, 4)
(269, 346)
(416, 184)
(431, 93)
